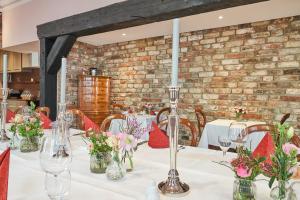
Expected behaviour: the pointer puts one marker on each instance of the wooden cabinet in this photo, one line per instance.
(14, 62)
(94, 97)
(30, 60)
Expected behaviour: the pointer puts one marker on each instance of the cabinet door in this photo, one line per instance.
(1, 60)
(17, 59)
(10, 62)
(26, 60)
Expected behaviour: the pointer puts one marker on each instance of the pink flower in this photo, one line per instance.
(243, 171)
(27, 128)
(288, 148)
(108, 134)
(32, 119)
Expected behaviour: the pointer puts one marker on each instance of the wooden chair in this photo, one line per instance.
(118, 108)
(45, 110)
(284, 118)
(201, 119)
(106, 122)
(259, 128)
(161, 112)
(186, 123)
(18, 110)
(78, 117)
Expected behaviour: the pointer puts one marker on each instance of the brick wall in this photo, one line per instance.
(254, 65)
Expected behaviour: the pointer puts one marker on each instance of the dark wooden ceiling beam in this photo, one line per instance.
(132, 13)
(60, 48)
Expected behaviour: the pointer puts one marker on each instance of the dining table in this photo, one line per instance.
(220, 127)
(198, 167)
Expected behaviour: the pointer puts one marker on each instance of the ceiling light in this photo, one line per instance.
(220, 17)
(123, 34)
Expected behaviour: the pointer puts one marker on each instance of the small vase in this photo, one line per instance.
(116, 169)
(280, 192)
(13, 142)
(29, 144)
(128, 162)
(244, 189)
(99, 162)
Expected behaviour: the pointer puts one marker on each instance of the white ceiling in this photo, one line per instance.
(239, 15)
(10, 3)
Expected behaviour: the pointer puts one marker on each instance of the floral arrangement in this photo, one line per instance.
(97, 142)
(28, 125)
(134, 128)
(239, 111)
(147, 108)
(284, 160)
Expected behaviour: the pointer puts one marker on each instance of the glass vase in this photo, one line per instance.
(244, 189)
(281, 191)
(13, 142)
(29, 144)
(99, 162)
(116, 169)
(128, 162)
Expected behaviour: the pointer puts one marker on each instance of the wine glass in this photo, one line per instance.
(225, 143)
(58, 186)
(237, 133)
(55, 153)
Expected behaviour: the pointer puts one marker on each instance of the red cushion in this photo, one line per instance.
(4, 171)
(46, 121)
(265, 148)
(157, 138)
(9, 115)
(88, 123)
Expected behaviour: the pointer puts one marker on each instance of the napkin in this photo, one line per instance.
(4, 169)
(9, 115)
(46, 121)
(265, 148)
(89, 124)
(157, 138)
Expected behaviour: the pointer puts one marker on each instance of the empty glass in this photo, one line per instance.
(237, 133)
(225, 144)
(58, 186)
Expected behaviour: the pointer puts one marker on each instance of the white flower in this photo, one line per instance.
(290, 132)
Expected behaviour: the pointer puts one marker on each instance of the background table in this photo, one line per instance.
(206, 178)
(220, 127)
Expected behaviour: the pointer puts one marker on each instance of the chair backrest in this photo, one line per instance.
(259, 128)
(18, 110)
(106, 122)
(201, 119)
(79, 117)
(45, 110)
(117, 108)
(162, 111)
(284, 118)
(186, 123)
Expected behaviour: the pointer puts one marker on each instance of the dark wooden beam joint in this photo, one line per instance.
(60, 48)
(132, 13)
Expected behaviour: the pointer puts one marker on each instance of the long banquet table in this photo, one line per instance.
(206, 178)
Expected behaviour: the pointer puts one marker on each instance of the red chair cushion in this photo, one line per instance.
(157, 138)
(9, 115)
(265, 148)
(4, 172)
(46, 121)
(89, 124)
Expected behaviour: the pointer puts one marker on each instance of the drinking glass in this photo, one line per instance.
(225, 144)
(58, 186)
(55, 154)
(237, 133)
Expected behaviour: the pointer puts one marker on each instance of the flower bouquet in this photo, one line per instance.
(283, 162)
(239, 112)
(147, 108)
(100, 151)
(29, 128)
(131, 134)
(246, 168)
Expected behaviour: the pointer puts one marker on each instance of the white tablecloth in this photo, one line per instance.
(144, 120)
(220, 127)
(206, 178)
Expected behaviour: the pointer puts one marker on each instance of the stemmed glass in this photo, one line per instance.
(237, 133)
(55, 160)
(225, 143)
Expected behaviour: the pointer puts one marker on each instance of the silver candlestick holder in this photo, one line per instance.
(3, 136)
(173, 186)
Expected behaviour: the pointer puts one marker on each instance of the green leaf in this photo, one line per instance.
(271, 181)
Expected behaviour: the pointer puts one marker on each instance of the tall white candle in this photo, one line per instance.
(175, 49)
(4, 85)
(63, 74)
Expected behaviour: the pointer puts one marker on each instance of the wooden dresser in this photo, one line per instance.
(94, 96)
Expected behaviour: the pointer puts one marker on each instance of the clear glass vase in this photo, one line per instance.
(116, 169)
(244, 189)
(99, 162)
(281, 191)
(128, 161)
(13, 142)
(29, 144)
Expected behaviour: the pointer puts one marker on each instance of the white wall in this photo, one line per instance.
(19, 23)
